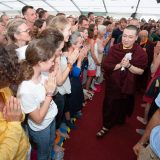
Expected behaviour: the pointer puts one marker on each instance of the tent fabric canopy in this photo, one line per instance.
(100, 7)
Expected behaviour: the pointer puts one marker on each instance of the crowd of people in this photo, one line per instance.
(50, 66)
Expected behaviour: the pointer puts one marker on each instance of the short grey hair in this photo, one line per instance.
(101, 29)
(73, 37)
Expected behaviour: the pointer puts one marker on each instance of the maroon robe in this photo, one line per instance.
(120, 85)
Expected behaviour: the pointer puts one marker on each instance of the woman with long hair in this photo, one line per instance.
(36, 91)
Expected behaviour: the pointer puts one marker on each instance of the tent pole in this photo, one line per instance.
(105, 6)
(76, 6)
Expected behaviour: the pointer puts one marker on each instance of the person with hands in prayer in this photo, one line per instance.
(120, 83)
(14, 144)
(36, 91)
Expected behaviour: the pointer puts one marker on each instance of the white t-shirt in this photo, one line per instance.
(66, 86)
(21, 52)
(31, 96)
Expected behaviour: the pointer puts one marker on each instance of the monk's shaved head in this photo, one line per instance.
(133, 27)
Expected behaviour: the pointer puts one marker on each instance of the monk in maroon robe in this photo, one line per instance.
(120, 84)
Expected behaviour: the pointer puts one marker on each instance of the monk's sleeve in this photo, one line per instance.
(110, 61)
(141, 59)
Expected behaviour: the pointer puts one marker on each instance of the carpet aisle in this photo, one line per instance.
(116, 145)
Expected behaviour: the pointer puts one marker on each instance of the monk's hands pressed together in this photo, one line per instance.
(125, 63)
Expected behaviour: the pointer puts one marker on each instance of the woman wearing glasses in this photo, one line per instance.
(18, 35)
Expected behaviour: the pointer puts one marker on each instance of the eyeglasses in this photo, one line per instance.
(27, 30)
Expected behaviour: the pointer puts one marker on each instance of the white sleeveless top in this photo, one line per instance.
(91, 64)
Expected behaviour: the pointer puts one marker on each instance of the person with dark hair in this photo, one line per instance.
(84, 34)
(36, 90)
(13, 142)
(107, 36)
(38, 10)
(116, 34)
(124, 62)
(93, 61)
(8, 60)
(91, 18)
(39, 23)
(54, 36)
(39, 26)
(81, 16)
(25, 8)
(83, 23)
(43, 14)
(29, 15)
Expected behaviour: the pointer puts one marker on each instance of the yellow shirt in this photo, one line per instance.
(14, 143)
(6, 93)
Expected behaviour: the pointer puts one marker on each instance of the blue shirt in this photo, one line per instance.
(106, 48)
(75, 71)
(155, 140)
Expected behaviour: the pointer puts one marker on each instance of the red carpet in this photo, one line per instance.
(116, 145)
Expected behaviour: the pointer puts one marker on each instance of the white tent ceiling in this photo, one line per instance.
(100, 7)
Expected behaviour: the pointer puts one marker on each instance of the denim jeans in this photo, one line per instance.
(44, 140)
